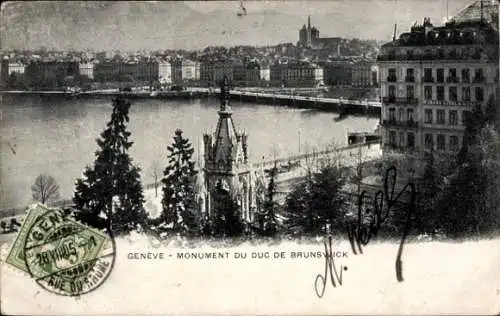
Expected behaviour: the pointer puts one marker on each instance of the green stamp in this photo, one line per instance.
(62, 255)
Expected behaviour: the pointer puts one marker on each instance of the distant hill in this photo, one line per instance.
(124, 25)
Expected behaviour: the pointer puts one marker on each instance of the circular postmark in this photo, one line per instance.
(66, 257)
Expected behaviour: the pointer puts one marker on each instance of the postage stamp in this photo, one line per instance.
(62, 255)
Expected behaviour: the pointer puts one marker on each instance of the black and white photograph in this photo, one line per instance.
(249, 157)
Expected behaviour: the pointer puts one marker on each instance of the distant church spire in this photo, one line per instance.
(309, 22)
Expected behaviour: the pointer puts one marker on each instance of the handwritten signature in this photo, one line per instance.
(360, 232)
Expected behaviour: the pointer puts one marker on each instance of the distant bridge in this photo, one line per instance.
(299, 98)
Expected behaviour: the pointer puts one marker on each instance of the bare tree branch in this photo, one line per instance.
(45, 189)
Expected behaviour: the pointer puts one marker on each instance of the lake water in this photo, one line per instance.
(57, 136)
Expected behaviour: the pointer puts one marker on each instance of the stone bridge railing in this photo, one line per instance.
(310, 155)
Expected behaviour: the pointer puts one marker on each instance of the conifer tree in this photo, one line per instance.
(180, 211)
(474, 122)
(316, 204)
(109, 195)
(491, 110)
(266, 218)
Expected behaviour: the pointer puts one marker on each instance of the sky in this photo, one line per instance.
(378, 9)
(368, 18)
(175, 25)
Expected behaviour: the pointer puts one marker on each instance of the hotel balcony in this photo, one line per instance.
(452, 79)
(395, 123)
(443, 126)
(391, 78)
(428, 79)
(410, 79)
(465, 103)
(400, 148)
(465, 80)
(403, 100)
(429, 57)
(479, 79)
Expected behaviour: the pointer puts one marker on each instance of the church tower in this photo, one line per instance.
(309, 35)
(226, 162)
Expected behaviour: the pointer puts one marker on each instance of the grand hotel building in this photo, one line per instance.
(431, 76)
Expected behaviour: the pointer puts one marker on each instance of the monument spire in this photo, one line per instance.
(225, 95)
(309, 22)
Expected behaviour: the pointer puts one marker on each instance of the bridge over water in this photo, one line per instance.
(367, 149)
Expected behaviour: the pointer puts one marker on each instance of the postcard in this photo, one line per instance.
(249, 157)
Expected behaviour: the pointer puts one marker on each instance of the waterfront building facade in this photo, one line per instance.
(4, 71)
(55, 71)
(296, 74)
(338, 73)
(177, 71)
(16, 67)
(362, 74)
(116, 70)
(190, 70)
(252, 73)
(86, 69)
(165, 72)
(264, 72)
(431, 78)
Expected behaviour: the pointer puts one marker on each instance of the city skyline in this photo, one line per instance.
(195, 25)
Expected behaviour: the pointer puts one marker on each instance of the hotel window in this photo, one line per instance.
(410, 92)
(465, 75)
(392, 74)
(410, 75)
(452, 75)
(440, 93)
(401, 139)
(428, 75)
(453, 117)
(466, 94)
(440, 75)
(409, 113)
(392, 92)
(401, 115)
(453, 94)
(428, 92)
(429, 141)
(392, 114)
(410, 140)
(440, 142)
(479, 94)
(392, 137)
(478, 76)
(428, 116)
(440, 116)
(453, 142)
(464, 117)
